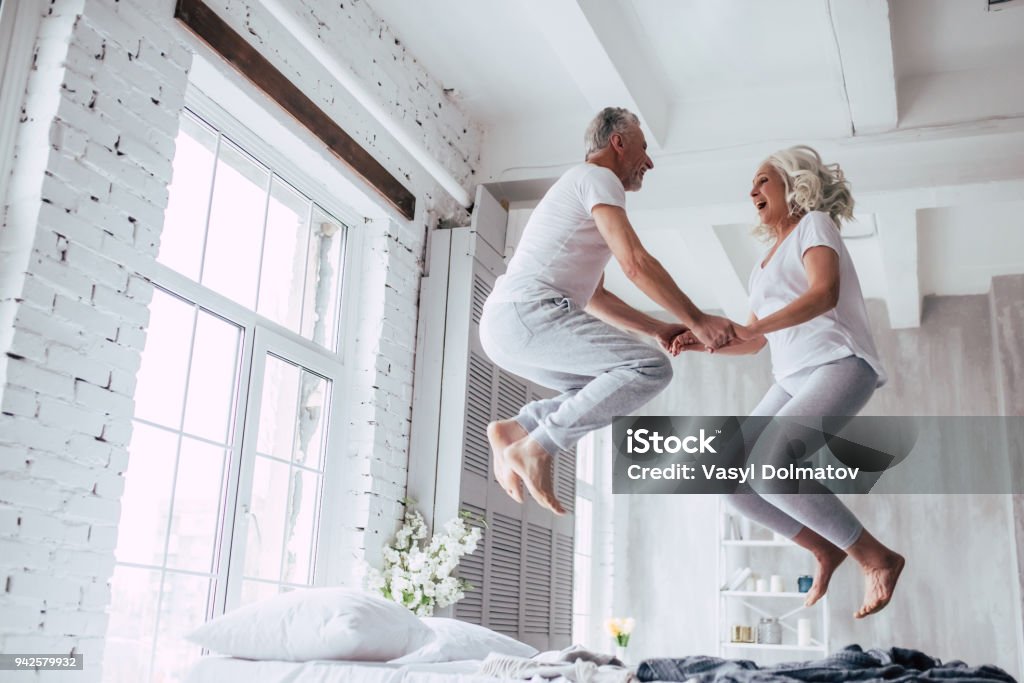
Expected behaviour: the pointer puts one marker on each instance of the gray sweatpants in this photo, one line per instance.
(840, 388)
(601, 371)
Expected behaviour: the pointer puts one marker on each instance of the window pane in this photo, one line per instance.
(285, 500)
(283, 277)
(277, 408)
(235, 235)
(584, 526)
(313, 392)
(197, 499)
(585, 458)
(254, 591)
(133, 606)
(146, 502)
(211, 389)
(160, 393)
(299, 526)
(183, 608)
(270, 484)
(238, 228)
(181, 243)
(320, 309)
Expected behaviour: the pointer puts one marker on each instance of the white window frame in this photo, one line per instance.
(258, 331)
(600, 600)
(586, 490)
(266, 342)
(19, 26)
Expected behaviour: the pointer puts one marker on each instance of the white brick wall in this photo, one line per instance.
(361, 40)
(99, 120)
(385, 338)
(93, 161)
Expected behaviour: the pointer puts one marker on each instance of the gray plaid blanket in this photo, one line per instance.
(850, 664)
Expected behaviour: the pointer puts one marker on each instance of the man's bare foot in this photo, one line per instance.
(532, 463)
(828, 559)
(879, 583)
(502, 434)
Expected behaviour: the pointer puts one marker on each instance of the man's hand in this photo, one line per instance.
(666, 333)
(714, 331)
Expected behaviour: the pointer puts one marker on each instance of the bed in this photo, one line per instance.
(341, 635)
(850, 664)
(221, 669)
(217, 669)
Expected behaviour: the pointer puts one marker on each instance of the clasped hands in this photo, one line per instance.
(709, 333)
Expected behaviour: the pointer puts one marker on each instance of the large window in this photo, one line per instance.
(236, 405)
(594, 552)
(584, 551)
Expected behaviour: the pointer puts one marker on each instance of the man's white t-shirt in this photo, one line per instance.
(841, 332)
(561, 252)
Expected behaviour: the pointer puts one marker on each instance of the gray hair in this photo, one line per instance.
(608, 121)
(812, 185)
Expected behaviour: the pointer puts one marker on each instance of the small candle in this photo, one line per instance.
(762, 585)
(777, 585)
(803, 632)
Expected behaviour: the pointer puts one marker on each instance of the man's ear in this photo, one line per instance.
(616, 141)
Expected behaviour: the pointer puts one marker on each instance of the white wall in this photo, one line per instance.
(958, 597)
(85, 210)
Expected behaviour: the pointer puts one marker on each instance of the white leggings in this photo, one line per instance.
(840, 388)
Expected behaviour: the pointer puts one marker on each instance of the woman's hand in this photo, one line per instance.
(687, 341)
(746, 332)
(667, 333)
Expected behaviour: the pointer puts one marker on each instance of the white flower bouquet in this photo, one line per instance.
(420, 576)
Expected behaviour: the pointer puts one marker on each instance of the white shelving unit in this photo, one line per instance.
(786, 606)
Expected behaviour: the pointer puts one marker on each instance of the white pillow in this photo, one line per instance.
(456, 640)
(316, 623)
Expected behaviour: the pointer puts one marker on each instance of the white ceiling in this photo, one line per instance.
(921, 101)
(501, 67)
(958, 35)
(741, 57)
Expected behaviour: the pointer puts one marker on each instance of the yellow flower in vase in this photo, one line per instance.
(620, 629)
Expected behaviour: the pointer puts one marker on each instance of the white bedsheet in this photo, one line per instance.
(216, 669)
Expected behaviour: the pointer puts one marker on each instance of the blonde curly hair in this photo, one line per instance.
(811, 185)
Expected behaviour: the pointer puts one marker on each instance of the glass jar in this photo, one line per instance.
(769, 631)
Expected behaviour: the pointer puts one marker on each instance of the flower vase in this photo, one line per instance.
(620, 653)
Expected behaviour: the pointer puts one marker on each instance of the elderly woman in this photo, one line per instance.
(808, 308)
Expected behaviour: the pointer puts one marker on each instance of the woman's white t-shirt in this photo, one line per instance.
(841, 332)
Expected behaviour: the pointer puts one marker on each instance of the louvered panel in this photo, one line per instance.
(511, 394)
(481, 290)
(565, 479)
(478, 414)
(561, 604)
(471, 569)
(538, 580)
(506, 535)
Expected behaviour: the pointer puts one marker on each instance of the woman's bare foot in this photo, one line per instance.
(828, 555)
(501, 435)
(879, 583)
(528, 459)
(881, 567)
(828, 559)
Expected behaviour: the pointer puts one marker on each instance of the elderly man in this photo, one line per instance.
(550, 320)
